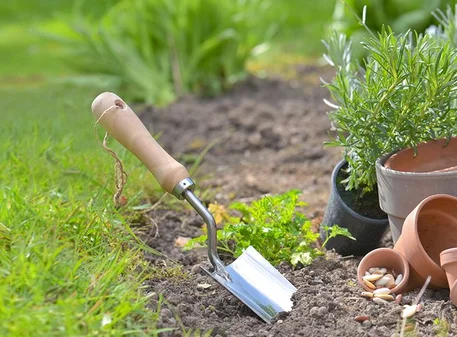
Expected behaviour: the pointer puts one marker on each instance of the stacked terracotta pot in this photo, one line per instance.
(427, 246)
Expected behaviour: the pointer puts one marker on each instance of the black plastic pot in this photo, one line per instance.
(367, 231)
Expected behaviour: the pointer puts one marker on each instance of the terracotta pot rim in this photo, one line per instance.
(441, 174)
(415, 213)
(405, 263)
(448, 256)
(335, 172)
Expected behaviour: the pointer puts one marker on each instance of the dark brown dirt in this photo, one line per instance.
(270, 135)
(366, 204)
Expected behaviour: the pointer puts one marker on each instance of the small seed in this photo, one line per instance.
(372, 270)
(378, 300)
(367, 273)
(391, 282)
(382, 291)
(367, 294)
(361, 318)
(371, 278)
(369, 284)
(379, 272)
(419, 307)
(383, 281)
(384, 297)
(409, 327)
(408, 311)
(383, 270)
(398, 279)
(398, 298)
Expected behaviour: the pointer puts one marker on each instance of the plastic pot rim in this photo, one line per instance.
(335, 172)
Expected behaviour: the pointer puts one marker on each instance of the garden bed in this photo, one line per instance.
(270, 136)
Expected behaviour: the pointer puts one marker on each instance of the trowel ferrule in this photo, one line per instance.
(184, 185)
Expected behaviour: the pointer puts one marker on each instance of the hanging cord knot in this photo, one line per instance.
(120, 174)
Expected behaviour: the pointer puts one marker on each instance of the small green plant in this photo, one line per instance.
(158, 50)
(405, 94)
(274, 227)
(441, 327)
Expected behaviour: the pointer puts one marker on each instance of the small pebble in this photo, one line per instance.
(367, 323)
(203, 286)
(313, 311)
(279, 321)
(166, 313)
(196, 269)
(322, 311)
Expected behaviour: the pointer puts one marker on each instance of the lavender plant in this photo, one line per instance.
(404, 93)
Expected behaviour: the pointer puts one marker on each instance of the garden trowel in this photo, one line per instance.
(250, 277)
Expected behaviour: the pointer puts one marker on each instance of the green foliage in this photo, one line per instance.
(405, 94)
(69, 264)
(158, 50)
(441, 327)
(274, 227)
(400, 15)
(334, 231)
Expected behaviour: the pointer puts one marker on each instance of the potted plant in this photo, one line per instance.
(403, 94)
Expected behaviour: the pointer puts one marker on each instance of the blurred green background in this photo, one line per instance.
(24, 51)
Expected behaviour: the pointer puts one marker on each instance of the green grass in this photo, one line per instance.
(67, 259)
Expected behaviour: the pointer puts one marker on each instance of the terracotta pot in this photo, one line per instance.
(367, 231)
(428, 230)
(448, 261)
(385, 258)
(405, 179)
(453, 293)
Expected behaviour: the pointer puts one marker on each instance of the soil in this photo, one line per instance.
(269, 135)
(366, 204)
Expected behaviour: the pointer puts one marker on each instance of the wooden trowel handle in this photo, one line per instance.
(125, 126)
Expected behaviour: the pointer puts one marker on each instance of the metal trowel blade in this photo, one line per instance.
(258, 285)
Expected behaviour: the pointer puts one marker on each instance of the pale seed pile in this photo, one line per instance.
(382, 281)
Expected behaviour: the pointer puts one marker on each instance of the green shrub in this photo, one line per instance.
(160, 49)
(405, 94)
(400, 15)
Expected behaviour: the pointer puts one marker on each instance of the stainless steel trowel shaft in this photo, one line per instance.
(184, 189)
